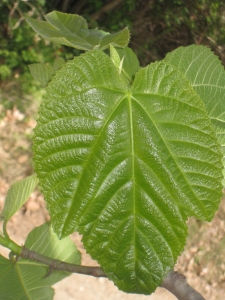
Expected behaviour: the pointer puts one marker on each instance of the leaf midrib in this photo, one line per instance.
(22, 282)
(133, 177)
(89, 157)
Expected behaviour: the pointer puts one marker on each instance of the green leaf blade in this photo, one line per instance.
(17, 195)
(7, 276)
(42, 73)
(68, 22)
(58, 63)
(126, 61)
(25, 278)
(119, 39)
(186, 137)
(71, 30)
(119, 164)
(207, 77)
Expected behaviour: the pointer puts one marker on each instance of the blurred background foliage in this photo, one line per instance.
(157, 27)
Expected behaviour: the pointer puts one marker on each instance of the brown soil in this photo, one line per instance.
(202, 261)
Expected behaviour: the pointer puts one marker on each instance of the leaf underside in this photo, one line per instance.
(25, 278)
(72, 30)
(125, 165)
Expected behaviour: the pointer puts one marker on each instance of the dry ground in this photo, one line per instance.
(202, 262)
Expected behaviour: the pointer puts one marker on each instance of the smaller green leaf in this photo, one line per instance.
(17, 195)
(126, 61)
(115, 56)
(58, 63)
(131, 64)
(25, 278)
(43, 240)
(72, 30)
(119, 39)
(42, 73)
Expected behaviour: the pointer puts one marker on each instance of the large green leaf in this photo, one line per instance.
(207, 77)
(72, 30)
(25, 279)
(126, 165)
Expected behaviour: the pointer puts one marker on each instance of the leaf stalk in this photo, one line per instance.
(5, 241)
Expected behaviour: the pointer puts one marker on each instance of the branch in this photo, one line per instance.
(65, 5)
(174, 282)
(78, 6)
(58, 265)
(177, 284)
(105, 9)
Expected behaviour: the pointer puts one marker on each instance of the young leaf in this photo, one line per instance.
(17, 195)
(126, 61)
(115, 56)
(72, 30)
(126, 165)
(25, 279)
(207, 77)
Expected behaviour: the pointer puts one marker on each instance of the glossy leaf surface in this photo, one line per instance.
(72, 30)
(126, 164)
(25, 279)
(207, 77)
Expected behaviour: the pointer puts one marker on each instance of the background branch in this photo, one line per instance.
(111, 5)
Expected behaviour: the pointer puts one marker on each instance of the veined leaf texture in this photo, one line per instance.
(28, 278)
(126, 163)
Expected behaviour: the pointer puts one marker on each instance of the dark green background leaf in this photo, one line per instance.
(126, 165)
(42, 73)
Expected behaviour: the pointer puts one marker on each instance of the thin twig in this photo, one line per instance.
(140, 18)
(78, 6)
(15, 6)
(65, 5)
(105, 8)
